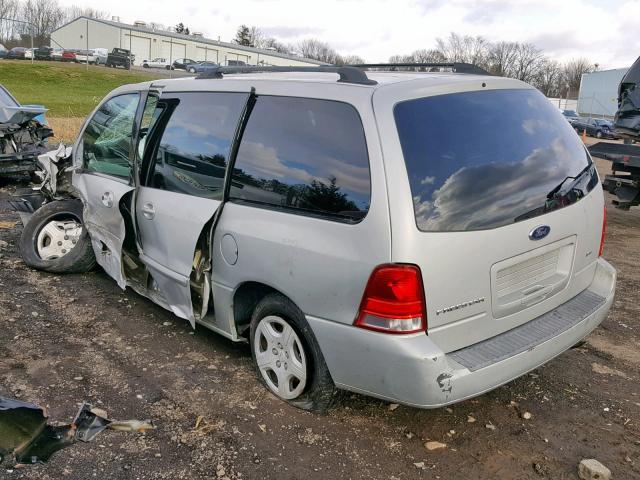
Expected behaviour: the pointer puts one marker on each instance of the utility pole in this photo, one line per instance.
(31, 25)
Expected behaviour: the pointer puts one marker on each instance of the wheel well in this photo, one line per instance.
(245, 301)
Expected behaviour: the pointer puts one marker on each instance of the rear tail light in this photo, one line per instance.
(604, 229)
(393, 301)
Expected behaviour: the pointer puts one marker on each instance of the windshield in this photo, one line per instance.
(485, 159)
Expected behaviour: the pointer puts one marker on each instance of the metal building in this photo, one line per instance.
(599, 93)
(147, 43)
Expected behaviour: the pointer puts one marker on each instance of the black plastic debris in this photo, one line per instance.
(27, 438)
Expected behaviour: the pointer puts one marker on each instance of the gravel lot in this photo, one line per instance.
(66, 339)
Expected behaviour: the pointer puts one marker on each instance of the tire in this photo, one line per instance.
(599, 134)
(317, 391)
(145, 65)
(78, 259)
(192, 70)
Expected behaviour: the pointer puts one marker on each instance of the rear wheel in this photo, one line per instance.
(192, 70)
(287, 357)
(599, 134)
(55, 240)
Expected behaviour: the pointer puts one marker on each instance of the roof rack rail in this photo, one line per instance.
(348, 74)
(457, 67)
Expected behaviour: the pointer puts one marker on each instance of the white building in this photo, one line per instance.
(147, 43)
(599, 93)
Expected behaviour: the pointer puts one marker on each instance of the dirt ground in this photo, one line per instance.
(67, 339)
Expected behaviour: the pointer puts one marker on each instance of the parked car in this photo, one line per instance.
(56, 54)
(570, 115)
(182, 63)
(43, 53)
(69, 55)
(595, 127)
(120, 57)
(357, 238)
(200, 67)
(157, 63)
(101, 55)
(3, 51)
(16, 53)
(86, 56)
(236, 63)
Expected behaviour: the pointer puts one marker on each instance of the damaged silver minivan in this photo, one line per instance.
(418, 237)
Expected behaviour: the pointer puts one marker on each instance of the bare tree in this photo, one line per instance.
(8, 10)
(464, 48)
(74, 11)
(44, 16)
(350, 60)
(527, 62)
(502, 58)
(318, 50)
(272, 43)
(549, 78)
(573, 71)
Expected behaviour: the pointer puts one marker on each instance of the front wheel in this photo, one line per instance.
(54, 239)
(287, 356)
(192, 70)
(599, 134)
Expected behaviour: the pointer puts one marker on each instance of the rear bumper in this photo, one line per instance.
(412, 370)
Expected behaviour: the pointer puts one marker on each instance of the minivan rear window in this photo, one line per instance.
(484, 159)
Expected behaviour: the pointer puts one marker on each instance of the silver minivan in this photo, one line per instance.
(418, 237)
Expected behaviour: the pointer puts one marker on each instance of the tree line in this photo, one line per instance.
(19, 19)
(520, 60)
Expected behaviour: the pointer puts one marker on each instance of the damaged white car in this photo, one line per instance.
(23, 135)
(340, 221)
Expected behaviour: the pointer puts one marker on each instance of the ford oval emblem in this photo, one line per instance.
(540, 232)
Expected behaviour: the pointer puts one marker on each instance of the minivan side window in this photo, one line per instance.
(197, 131)
(107, 140)
(306, 156)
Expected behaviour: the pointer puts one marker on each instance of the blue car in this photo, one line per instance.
(201, 67)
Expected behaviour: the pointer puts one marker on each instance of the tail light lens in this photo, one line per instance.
(393, 301)
(604, 229)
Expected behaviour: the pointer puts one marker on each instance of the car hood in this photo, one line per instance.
(19, 115)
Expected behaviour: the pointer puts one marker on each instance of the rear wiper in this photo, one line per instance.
(556, 189)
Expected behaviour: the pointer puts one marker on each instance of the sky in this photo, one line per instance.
(605, 31)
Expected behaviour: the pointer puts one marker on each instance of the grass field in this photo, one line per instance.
(66, 89)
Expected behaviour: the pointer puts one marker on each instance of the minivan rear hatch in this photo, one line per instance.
(500, 217)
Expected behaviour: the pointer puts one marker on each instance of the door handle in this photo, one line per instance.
(107, 199)
(149, 211)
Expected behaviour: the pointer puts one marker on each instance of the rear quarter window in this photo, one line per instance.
(484, 159)
(305, 156)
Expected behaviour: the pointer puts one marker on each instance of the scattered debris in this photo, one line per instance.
(433, 445)
(591, 469)
(26, 438)
(6, 224)
(393, 406)
(471, 419)
(527, 416)
(490, 426)
(419, 465)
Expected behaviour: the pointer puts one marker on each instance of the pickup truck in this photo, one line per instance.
(120, 57)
